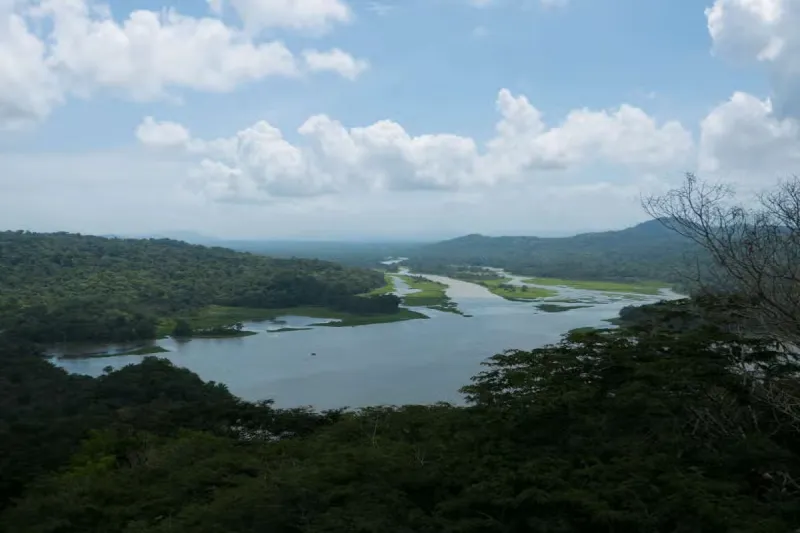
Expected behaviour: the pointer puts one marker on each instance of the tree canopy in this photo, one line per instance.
(69, 287)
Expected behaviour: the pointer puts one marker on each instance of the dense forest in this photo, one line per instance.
(628, 430)
(68, 287)
(648, 251)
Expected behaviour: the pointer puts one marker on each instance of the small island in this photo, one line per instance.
(430, 294)
(501, 287)
(548, 307)
(650, 288)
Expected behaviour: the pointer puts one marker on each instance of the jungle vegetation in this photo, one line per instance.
(62, 287)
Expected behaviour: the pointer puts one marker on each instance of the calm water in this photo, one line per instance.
(416, 361)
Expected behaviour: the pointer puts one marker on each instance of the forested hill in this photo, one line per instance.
(646, 251)
(61, 286)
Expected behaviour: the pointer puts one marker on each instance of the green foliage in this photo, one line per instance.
(429, 293)
(64, 287)
(557, 308)
(387, 288)
(45, 413)
(502, 288)
(355, 320)
(182, 329)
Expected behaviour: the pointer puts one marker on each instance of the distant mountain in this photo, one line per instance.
(191, 237)
(645, 251)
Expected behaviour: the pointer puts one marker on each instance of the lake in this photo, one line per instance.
(416, 361)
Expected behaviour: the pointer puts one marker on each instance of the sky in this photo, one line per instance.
(350, 119)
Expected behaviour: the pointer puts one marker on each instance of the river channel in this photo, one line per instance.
(416, 361)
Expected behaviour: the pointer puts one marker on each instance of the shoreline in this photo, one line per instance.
(218, 316)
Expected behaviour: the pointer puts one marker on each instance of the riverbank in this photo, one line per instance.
(388, 287)
(143, 350)
(501, 287)
(358, 366)
(430, 294)
(363, 320)
(558, 308)
(650, 288)
(217, 316)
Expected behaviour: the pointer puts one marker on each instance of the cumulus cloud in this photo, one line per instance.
(162, 134)
(53, 49)
(336, 61)
(258, 163)
(743, 138)
(28, 87)
(747, 136)
(316, 15)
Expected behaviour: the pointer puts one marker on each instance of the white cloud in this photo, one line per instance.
(750, 29)
(747, 138)
(258, 163)
(162, 134)
(335, 60)
(113, 192)
(53, 49)
(28, 88)
(742, 138)
(151, 52)
(316, 15)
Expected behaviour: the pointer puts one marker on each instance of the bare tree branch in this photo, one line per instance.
(755, 251)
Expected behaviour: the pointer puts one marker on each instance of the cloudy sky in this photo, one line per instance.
(386, 118)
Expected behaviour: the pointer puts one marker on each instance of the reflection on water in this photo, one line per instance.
(416, 361)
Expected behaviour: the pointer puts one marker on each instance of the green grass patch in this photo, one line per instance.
(573, 301)
(500, 287)
(449, 307)
(281, 330)
(388, 287)
(553, 308)
(143, 350)
(363, 320)
(216, 316)
(586, 329)
(432, 294)
(429, 292)
(641, 287)
(225, 335)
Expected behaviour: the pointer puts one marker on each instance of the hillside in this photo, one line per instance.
(68, 287)
(647, 251)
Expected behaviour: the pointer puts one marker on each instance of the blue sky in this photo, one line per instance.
(78, 157)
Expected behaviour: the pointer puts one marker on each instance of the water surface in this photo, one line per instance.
(416, 361)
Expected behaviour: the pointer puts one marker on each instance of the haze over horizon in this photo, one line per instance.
(354, 119)
(200, 238)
